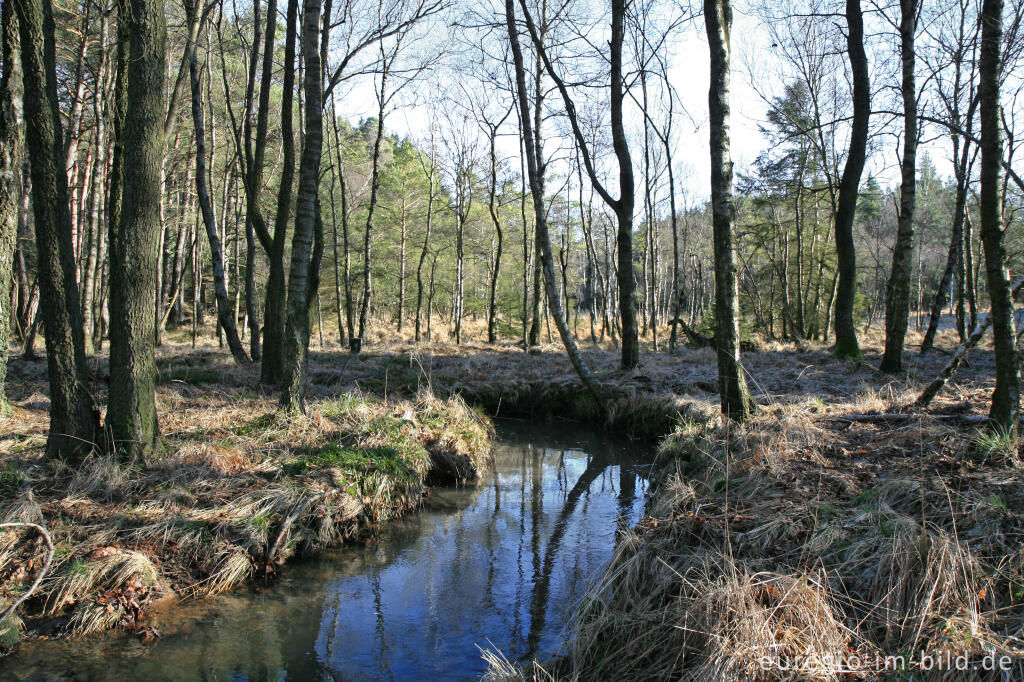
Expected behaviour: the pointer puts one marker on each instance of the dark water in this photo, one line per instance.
(499, 566)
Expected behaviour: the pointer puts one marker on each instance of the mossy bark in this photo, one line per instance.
(73, 421)
(306, 217)
(10, 172)
(897, 295)
(272, 366)
(134, 240)
(1006, 396)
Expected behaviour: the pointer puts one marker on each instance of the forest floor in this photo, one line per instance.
(812, 530)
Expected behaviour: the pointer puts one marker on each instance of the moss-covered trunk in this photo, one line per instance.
(897, 295)
(10, 171)
(273, 361)
(306, 216)
(1006, 396)
(73, 422)
(846, 286)
(134, 240)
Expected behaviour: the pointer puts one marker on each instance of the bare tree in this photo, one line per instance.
(732, 383)
(846, 345)
(225, 314)
(540, 214)
(1006, 396)
(623, 206)
(897, 299)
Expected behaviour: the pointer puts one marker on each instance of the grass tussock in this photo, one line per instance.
(798, 547)
(237, 489)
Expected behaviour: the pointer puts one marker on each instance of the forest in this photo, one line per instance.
(278, 278)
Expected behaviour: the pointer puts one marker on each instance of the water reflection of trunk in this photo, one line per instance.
(517, 625)
(627, 493)
(493, 541)
(536, 514)
(542, 579)
(381, 630)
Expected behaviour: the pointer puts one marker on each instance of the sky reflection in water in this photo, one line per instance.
(498, 566)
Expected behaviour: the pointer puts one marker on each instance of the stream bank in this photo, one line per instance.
(499, 566)
(240, 489)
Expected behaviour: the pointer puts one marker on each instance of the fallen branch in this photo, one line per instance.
(42, 574)
(696, 338)
(906, 416)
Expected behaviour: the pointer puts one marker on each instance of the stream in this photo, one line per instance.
(498, 566)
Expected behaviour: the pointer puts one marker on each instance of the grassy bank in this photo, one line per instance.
(239, 489)
(816, 543)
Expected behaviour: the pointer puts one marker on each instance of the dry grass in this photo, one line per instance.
(796, 534)
(237, 489)
(817, 547)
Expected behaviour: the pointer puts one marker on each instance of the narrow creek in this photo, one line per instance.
(497, 566)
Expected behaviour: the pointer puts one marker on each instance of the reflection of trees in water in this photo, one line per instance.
(542, 577)
(383, 658)
(542, 498)
(493, 541)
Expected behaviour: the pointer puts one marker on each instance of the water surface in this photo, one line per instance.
(498, 566)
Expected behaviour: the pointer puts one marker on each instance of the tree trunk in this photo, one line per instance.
(255, 222)
(732, 382)
(586, 377)
(10, 171)
(954, 257)
(624, 206)
(131, 414)
(846, 335)
(492, 311)
(460, 231)
(273, 362)
(337, 262)
(374, 191)
(300, 274)
(897, 299)
(429, 172)
(225, 316)
(401, 266)
(73, 422)
(1006, 396)
(970, 270)
(538, 295)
